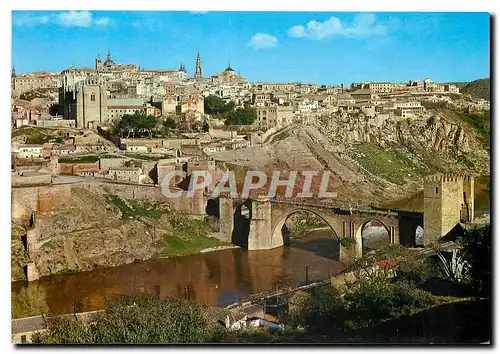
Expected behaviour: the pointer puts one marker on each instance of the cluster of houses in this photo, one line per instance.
(99, 96)
(67, 144)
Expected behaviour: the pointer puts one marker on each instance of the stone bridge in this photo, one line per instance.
(256, 224)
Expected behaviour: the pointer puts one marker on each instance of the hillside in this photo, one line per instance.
(373, 162)
(478, 89)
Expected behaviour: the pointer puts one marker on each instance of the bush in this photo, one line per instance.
(374, 300)
(139, 319)
(322, 313)
(477, 248)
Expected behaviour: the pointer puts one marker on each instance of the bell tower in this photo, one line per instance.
(98, 63)
(198, 73)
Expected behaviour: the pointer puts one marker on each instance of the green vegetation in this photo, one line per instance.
(169, 124)
(80, 159)
(188, 237)
(58, 140)
(216, 107)
(478, 89)
(134, 210)
(150, 157)
(347, 242)
(140, 319)
(33, 135)
(480, 123)
(136, 125)
(388, 163)
(241, 116)
(394, 305)
(280, 135)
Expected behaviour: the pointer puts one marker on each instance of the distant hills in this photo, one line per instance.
(478, 89)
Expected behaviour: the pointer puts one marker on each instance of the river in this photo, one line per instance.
(216, 278)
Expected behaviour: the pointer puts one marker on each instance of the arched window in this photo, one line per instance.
(92, 97)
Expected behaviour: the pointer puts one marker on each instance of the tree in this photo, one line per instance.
(214, 105)
(169, 124)
(477, 247)
(241, 116)
(139, 319)
(206, 126)
(136, 123)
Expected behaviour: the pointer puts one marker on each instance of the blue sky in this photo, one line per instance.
(318, 47)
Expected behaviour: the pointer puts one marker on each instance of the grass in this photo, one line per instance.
(280, 135)
(388, 163)
(188, 237)
(33, 135)
(480, 123)
(134, 210)
(150, 157)
(81, 159)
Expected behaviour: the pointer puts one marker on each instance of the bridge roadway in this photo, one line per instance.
(335, 207)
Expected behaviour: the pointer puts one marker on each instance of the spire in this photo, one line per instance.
(108, 55)
(198, 72)
(13, 71)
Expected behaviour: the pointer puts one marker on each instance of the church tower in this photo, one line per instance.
(198, 73)
(98, 63)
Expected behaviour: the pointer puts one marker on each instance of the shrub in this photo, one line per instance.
(139, 319)
(323, 312)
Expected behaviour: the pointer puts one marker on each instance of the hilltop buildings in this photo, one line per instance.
(100, 96)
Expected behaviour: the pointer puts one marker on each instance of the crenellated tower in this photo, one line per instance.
(448, 200)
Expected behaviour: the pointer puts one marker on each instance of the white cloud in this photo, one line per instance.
(363, 25)
(262, 41)
(65, 19)
(75, 18)
(29, 19)
(103, 21)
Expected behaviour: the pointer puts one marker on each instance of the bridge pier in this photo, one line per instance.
(260, 236)
(350, 230)
(226, 218)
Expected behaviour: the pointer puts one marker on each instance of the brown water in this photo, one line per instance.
(216, 278)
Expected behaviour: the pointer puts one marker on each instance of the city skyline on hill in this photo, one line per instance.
(321, 48)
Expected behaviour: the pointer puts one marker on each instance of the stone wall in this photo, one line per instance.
(112, 162)
(223, 134)
(42, 178)
(72, 168)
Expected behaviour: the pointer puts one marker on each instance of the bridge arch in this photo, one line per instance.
(364, 245)
(277, 234)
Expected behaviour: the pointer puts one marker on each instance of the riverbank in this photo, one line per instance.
(214, 278)
(218, 248)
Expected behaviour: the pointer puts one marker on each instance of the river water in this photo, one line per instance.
(216, 278)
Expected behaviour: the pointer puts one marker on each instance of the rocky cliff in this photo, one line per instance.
(374, 160)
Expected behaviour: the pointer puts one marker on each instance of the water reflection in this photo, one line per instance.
(215, 278)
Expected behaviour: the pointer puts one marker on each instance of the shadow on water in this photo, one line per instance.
(321, 243)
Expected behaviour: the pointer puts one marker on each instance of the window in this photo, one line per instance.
(92, 97)
(436, 190)
(23, 338)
